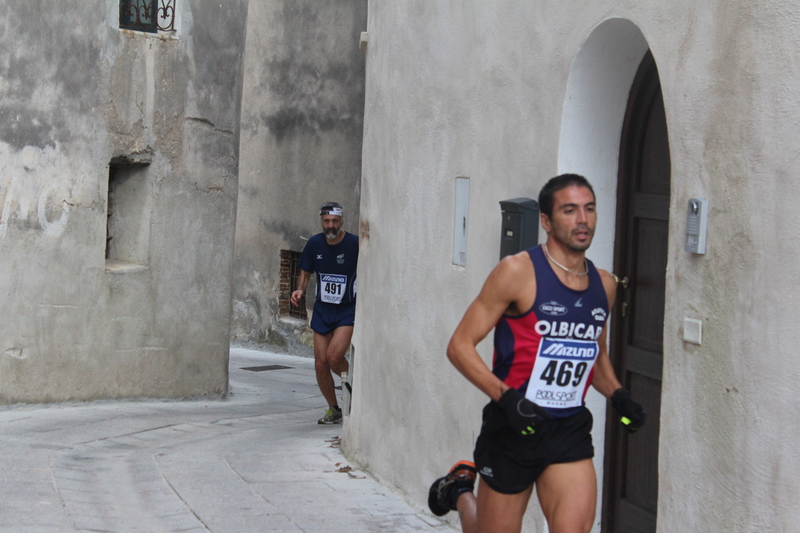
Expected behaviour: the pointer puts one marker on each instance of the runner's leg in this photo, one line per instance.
(568, 496)
(467, 505)
(337, 347)
(498, 512)
(323, 369)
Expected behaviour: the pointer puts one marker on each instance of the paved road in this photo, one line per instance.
(255, 463)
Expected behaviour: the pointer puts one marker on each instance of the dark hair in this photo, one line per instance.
(556, 184)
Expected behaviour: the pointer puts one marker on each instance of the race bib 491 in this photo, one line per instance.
(561, 372)
(332, 287)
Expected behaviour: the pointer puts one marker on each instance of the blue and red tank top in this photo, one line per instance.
(548, 353)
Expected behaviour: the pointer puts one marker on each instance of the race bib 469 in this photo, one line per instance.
(561, 372)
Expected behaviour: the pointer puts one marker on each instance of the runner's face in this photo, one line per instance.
(574, 218)
(331, 226)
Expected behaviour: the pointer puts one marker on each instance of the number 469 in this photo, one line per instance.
(563, 374)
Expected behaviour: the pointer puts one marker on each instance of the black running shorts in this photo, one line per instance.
(510, 462)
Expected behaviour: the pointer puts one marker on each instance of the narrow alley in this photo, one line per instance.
(257, 462)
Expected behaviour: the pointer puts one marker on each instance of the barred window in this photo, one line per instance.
(290, 272)
(149, 16)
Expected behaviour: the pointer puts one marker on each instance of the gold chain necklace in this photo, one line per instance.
(550, 257)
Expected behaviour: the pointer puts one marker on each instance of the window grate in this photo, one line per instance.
(290, 272)
(149, 16)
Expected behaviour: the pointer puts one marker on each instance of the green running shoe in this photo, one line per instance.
(332, 416)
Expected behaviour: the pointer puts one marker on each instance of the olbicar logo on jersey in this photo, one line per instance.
(569, 349)
(553, 309)
(574, 330)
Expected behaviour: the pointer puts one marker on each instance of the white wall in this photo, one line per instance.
(502, 92)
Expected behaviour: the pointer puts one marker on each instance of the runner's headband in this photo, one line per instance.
(331, 208)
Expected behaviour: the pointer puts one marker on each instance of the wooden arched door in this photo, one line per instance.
(631, 462)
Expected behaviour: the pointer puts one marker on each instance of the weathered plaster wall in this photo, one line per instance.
(737, 133)
(75, 94)
(302, 123)
(480, 89)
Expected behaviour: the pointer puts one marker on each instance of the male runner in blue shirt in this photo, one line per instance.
(333, 256)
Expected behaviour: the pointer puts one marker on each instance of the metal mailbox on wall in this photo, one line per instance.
(520, 228)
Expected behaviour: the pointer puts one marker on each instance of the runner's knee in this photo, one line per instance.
(572, 524)
(334, 356)
(321, 365)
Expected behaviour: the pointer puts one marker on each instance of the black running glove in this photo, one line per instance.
(523, 414)
(633, 416)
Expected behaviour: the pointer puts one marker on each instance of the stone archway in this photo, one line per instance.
(596, 103)
(597, 94)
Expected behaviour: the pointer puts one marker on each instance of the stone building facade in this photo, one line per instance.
(119, 157)
(696, 101)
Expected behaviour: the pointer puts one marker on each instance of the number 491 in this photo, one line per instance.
(333, 288)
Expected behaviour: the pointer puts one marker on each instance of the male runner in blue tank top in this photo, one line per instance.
(333, 255)
(549, 307)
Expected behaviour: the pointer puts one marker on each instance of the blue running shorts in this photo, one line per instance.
(328, 317)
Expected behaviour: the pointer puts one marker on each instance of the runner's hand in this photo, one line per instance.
(295, 296)
(523, 414)
(633, 415)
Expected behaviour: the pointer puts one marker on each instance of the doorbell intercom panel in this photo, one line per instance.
(697, 225)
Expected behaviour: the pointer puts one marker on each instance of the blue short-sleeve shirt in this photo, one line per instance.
(335, 267)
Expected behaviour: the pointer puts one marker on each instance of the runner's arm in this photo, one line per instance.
(605, 380)
(302, 284)
(500, 290)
